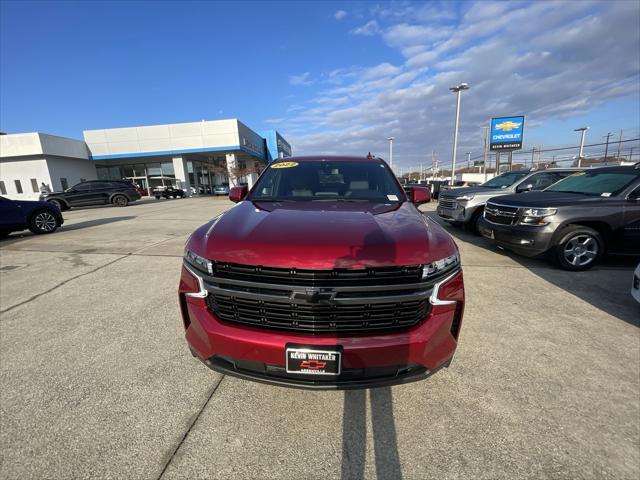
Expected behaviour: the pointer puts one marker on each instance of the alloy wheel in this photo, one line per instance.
(581, 250)
(45, 222)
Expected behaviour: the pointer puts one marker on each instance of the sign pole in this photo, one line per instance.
(486, 151)
(510, 160)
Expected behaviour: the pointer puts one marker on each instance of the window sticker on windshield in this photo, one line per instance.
(393, 198)
(284, 165)
(605, 194)
(578, 174)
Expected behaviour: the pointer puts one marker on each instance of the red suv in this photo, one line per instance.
(324, 275)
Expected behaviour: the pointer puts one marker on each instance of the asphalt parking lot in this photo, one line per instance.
(97, 381)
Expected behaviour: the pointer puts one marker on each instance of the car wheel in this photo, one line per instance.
(579, 248)
(474, 223)
(43, 221)
(120, 201)
(57, 203)
(157, 197)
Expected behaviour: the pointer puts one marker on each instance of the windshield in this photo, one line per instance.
(505, 180)
(600, 183)
(327, 181)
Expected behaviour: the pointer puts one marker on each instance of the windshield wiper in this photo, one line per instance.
(574, 191)
(340, 199)
(271, 199)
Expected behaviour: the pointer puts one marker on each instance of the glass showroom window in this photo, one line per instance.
(167, 169)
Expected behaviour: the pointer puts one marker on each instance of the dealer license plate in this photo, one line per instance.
(313, 361)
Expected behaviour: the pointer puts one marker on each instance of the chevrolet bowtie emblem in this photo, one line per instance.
(313, 296)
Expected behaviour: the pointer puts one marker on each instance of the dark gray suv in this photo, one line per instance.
(94, 192)
(576, 220)
(464, 206)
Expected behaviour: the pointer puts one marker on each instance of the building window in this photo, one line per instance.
(3, 189)
(18, 186)
(34, 185)
(103, 173)
(64, 183)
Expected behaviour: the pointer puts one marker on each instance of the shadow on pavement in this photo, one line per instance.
(17, 237)
(95, 223)
(606, 286)
(354, 434)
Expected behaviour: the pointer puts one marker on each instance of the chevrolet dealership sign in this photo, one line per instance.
(506, 133)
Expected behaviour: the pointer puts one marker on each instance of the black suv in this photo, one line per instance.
(94, 192)
(576, 220)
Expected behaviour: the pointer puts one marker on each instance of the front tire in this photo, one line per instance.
(474, 223)
(42, 222)
(56, 203)
(579, 249)
(120, 201)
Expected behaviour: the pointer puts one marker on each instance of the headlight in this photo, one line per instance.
(466, 197)
(537, 216)
(440, 266)
(198, 262)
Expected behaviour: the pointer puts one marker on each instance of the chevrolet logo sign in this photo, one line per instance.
(508, 126)
(311, 295)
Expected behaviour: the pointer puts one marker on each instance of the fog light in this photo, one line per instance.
(526, 242)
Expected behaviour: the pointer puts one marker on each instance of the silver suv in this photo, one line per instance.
(464, 206)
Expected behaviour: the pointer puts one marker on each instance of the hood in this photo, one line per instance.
(546, 199)
(322, 235)
(457, 192)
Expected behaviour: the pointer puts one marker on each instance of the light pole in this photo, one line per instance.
(606, 148)
(391, 151)
(469, 159)
(486, 148)
(457, 90)
(582, 131)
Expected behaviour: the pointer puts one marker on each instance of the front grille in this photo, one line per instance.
(319, 301)
(500, 214)
(446, 202)
(311, 277)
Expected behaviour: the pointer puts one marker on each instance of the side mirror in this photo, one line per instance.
(237, 194)
(634, 196)
(524, 188)
(420, 195)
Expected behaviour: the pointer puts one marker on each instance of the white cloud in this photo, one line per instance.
(368, 29)
(303, 79)
(340, 14)
(573, 57)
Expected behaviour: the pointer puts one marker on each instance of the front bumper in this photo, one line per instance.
(368, 360)
(456, 212)
(525, 240)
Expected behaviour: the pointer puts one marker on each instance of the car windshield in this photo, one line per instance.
(504, 180)
(327, 180)
(599, 183)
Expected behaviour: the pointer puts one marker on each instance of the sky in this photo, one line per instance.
(333, 77)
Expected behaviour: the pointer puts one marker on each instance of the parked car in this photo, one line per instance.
(168, 192)
(464, 206)
(39, 217)
(575, 221)
(458, 184)
(221, 190)
(635, 284)
(408, 186)
(324, 275)
(94, 192)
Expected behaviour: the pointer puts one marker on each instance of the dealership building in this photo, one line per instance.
(195, 156)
